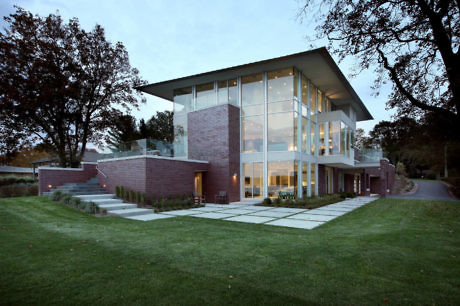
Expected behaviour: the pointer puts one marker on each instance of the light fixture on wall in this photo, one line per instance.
(49, 186)
(104, 185)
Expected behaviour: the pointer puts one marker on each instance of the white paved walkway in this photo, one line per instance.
(276, 216)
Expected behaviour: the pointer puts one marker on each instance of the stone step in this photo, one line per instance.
(131, 212)
(108, 201)
(112, 207)
(91, 197)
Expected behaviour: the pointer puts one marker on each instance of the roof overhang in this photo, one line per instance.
(317, 65)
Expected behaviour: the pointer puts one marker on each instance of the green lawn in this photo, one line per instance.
(396, 251)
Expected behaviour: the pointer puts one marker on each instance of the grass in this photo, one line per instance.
(400, 251)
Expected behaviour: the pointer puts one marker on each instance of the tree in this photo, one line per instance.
(61, 86)
(161, 126)
(412, 43)
(361, 140)
(123, 130)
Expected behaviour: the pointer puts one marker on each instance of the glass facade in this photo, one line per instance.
(278, 115)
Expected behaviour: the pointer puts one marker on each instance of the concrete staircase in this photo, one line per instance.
(90, 191)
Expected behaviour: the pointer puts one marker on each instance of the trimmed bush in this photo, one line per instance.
(122, 192)
(117, 191)
(153, 199)
(138, 197)
(55, 196)
(131, 196)
(267, 201)
(143, 199)
(75, 202)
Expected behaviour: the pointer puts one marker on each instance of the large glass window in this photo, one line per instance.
(205, 96)
(252, 94)
(305, 138)
(343, 138)
(334, 137)
(281, 85)
(252, 129)
(282, 129)
(227, 92)
(253, 180)
(320, 102)
(182, 105)
(313, 136)
(304, 90)
(322, 144)
(282, 178)
(313, 94)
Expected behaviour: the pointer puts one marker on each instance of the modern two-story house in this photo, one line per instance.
(278, 127)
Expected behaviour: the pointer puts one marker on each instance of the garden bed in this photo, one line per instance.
(17, 186)
(307, 203)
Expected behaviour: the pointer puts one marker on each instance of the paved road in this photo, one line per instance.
(428, 190)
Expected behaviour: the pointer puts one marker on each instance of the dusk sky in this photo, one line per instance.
(168, 39)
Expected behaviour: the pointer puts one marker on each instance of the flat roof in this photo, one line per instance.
(316, 64)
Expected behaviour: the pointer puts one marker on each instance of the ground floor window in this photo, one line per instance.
(253, 180)
(282, 178)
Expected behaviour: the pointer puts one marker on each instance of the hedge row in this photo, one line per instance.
(74, 202)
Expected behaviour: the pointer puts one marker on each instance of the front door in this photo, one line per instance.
(199, 183)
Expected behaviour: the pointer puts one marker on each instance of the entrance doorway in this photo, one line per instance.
(199, 183)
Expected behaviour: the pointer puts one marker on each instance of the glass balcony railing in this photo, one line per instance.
(368, 155)
(141, 147)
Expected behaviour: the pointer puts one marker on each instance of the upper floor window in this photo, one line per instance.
(205, 95)
(252, 94)
(281, 85)
(182, 100)
(227, 92)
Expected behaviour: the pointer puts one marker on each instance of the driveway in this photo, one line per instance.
(428, 190)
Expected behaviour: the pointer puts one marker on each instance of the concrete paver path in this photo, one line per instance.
(428, 190)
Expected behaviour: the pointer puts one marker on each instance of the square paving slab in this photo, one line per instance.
(335, 209)
(312, 217)
(257, 208)
(184, 212)
(250, 219)
(269, 213)
(289, 210)
(326, 212)
(213, 215)
(236, 211)
(295, 223)
(206, 209)
(149, 217)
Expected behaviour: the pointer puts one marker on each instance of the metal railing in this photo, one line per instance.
(141, 147)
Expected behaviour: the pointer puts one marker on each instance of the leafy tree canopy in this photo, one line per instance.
(61, 86)
(412, 43)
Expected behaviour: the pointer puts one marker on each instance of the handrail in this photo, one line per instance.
(101, 172)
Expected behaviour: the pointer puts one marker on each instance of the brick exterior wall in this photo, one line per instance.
(58, 176)
(159, 176)
(321, 180)
(214, 136)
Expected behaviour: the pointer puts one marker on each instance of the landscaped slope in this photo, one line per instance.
(390, 250)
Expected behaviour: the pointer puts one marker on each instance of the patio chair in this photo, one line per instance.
(201, 199)
(221, 197)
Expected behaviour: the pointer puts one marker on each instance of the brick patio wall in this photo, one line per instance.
(214, 136)
(149, 174)
(54, 177)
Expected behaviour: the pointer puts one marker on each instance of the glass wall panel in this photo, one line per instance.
(343, 138)
(304, 90)
(285, 106)
(252, 90)
(250, 110)
(304, 179)
(334, 137)
(322, 145)
(258, 180)
(227, 92)
(182, 100)
(320, 102)
(282, 178)
(247, 174)
(313, 179)
(313, 136)
(182, 105)
(312, 99)
(304, 134)
(282, 128)
(280, 85)
(252, 133)
(205, 96)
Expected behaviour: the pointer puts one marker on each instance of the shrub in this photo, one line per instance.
(55, 196)
(267, 201)
(75, 202)
(143, 199)
(153, 199)
(122, 192)
(184, 197)
(138, 197)
(16, 180)
(131, 196)
(170, 197)
(277, 201)
(65, 198)
(18, 190)
(117, 191)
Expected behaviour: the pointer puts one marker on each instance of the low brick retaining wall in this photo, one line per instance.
(51, 177)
